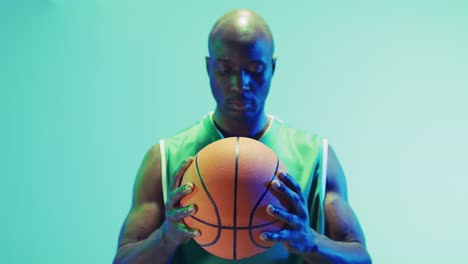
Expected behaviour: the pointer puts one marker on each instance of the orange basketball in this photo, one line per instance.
(232, 187)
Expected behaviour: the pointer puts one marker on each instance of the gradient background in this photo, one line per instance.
(86, 87)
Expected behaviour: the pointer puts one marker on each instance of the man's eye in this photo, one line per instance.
(255, 68)
(223, 68)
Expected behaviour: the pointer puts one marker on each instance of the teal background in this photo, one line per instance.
(86, 87)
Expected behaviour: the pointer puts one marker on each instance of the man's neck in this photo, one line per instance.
(252, 128)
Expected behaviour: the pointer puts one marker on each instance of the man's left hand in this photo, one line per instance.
(297, 236)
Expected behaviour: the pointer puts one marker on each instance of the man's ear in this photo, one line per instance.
(207, 61)
(273, 64)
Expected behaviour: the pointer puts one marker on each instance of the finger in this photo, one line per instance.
(179, 172)
(289, 181)
(285, 235)
(296, 200)
(178, 214)
(192, 232)
(281, 236)
(290, 219)
(177, 195)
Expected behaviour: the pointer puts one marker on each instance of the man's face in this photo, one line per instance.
(240, 74)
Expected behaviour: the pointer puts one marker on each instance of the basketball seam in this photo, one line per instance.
(232, 227)
(218, 218)
(258, 203)
(236, 171)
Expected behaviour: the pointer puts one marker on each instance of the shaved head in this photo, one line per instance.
(240, 66)
(240, 26)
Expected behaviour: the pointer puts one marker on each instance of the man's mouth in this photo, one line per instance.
(240, 105)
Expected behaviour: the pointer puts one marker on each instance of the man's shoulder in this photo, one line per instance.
(297, 133)
(189, 131)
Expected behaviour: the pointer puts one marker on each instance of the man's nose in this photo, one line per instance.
(240, 81)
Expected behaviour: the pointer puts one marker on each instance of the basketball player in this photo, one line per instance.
(320, 226)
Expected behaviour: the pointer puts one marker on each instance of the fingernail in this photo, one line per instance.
(196, 233)
(270, 208)
(263, 236)
(189, 186)
(276, 184)
(192, 208)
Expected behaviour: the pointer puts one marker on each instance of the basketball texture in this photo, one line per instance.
(232, 188)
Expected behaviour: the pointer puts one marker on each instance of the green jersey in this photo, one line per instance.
(303, 154)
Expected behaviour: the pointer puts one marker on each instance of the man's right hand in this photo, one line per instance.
(175, 232)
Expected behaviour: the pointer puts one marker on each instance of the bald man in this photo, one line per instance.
(320, 226)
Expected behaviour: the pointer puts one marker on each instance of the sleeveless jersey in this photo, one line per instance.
(304, 156)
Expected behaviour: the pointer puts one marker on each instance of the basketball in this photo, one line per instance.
(232, 188)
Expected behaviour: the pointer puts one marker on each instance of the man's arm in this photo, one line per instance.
(344, 241)
(143, 236)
